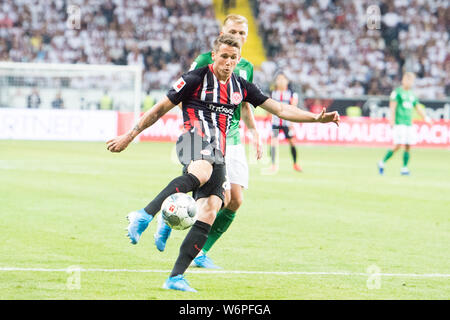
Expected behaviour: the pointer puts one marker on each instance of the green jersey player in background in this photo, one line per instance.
(401, 103)
(236, 162)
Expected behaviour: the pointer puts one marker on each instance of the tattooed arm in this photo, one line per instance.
(119, 143)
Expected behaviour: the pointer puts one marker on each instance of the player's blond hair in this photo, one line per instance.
(409, 74)
(227, 39)
(236, 19)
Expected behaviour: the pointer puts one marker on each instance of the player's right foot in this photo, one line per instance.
(138, 222)
(204, 262)
(162, 234)
(178, 283)
(297, 167)
(404, 171)
(381, 167)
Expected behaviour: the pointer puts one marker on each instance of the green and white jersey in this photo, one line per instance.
(244, 69)
(406, 101)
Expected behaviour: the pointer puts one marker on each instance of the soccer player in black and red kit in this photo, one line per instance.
(209, 96)
(283, 93)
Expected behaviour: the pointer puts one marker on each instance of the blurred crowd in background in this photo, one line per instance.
(324, 46)
(338, 48)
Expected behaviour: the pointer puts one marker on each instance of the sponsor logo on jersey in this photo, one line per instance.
(205, 152)
(220, 109)
(236, 98)
(179, 84)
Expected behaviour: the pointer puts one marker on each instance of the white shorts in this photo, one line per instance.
(236, 164)
(403, 134)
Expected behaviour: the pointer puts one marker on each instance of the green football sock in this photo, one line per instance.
(388, 155)
(223, 220)
(405, 158)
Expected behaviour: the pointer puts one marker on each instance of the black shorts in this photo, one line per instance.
(285, 129)
(191, 146)
(216, 184)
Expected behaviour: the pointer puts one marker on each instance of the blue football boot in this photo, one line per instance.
(178, 283)
(405, 171)
(381, 167)
(203, 261)
(138, 222)
(162, 234)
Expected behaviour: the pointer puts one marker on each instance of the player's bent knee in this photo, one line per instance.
(227, 198)
(202, 170)
(237, 197)
(208, 207)
(207, 215)
(234, 204)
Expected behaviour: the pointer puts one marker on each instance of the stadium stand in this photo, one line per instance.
(162, 36)
(322, 45)
(326, 45)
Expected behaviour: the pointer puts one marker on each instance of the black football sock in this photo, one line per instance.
(191, 246)
(294, 153)
(184, 183)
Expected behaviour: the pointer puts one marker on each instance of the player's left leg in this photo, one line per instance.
(238, 176)
(296, 166)
(405, 171)
(387, 156)
(193, 242)
(221, 224)
(225, 216)
(409, 141)
(273, 149)
(288, 134)
(189, 149)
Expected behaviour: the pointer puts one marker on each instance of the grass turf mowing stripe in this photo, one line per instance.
(342, 273)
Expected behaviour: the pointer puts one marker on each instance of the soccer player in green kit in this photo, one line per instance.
(236, 163)
(401, 103)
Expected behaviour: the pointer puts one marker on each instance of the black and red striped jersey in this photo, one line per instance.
(208, 105)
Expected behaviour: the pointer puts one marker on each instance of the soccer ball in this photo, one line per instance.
(179, 211)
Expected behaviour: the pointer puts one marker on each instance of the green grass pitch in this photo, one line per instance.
(319, 234)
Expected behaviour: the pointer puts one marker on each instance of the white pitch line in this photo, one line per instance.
(288, 273)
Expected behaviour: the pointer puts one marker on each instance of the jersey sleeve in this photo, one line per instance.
(415, 102)
(253, 94)
(183, 87)
(250, 76)
(393, 96)
(201, 61)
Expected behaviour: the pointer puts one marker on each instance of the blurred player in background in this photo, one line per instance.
(236, 162)
(401, 103)
(283, 93)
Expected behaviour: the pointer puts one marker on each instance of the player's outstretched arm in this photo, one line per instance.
(294, 114)
(423, 114)
(119, 143)
(392, 110)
